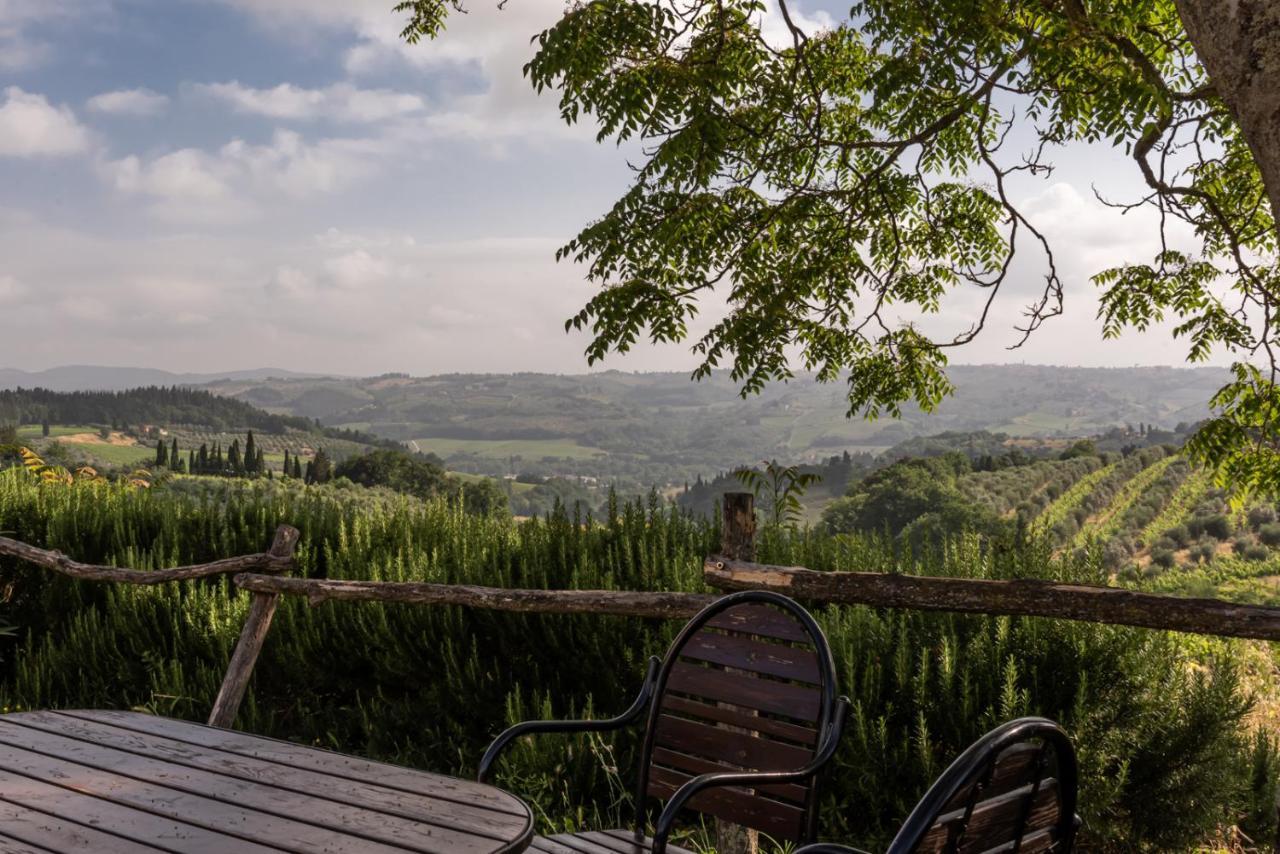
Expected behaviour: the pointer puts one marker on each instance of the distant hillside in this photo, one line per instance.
(192, 411)
(98, 378)
(661, 427)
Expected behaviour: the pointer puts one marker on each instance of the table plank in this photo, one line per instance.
(22, 825)
(336, 816)
(314, 759)
(9, 845)
(418, 808)
(240, 822)
(117, 827)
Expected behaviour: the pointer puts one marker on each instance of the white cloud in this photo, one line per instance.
(300, 168)
(85, 309)
(231, 183)
(185, 174)
(340, 102)
(487, 43)
(11, 290)
(129, 102)
(357, 269)
(20, 50)
(32, 127)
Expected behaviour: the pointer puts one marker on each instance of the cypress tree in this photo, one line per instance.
(162, 454)
(259, 462)
(322, 471)
(44, 428)
(204, 458)
(233, 458)
(297, 467)
(250, 454)
(311, 467)
(174, 459)
(191, 461)
(285, 469)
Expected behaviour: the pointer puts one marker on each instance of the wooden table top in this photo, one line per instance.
(126, 782)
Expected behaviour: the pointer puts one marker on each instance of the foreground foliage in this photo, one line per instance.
(1167, 758)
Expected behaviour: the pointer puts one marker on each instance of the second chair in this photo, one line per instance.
(740, 717)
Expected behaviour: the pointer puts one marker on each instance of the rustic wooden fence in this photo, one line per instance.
(264, 577)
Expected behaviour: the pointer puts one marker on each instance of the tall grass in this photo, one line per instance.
(1166, 758)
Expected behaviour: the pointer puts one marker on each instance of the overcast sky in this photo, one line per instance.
(228, 184)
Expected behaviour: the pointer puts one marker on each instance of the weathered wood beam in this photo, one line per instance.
(268, 561)
(738, 541)
(609, 602)
(252, 636)
(1018, 597)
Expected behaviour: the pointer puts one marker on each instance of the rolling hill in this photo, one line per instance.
(663, 428)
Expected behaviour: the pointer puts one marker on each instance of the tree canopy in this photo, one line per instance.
(835, 186)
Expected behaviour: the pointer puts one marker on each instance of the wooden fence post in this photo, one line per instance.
(240, 668)
(737, 542)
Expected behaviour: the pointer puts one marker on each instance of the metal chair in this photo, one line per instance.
(1012, 792)
(740, 717)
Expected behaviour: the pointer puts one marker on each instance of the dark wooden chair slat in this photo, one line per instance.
(766, 726)
(743, 750)
(798, 702)
(1013, 790)
(695, 765)
(745, 653)
(747, 687)
(1034, 843)
(997, 820)
(1013, 767)
(776, 818)
(762, 620)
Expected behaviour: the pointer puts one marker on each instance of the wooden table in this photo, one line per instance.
(125, 782)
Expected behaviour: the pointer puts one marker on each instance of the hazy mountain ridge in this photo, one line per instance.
(107, 378)
(661, 427)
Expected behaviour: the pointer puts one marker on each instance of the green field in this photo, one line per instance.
(34, 431)
(121, 455)
(500, 449)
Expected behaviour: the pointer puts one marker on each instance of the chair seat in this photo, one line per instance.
(598, 842)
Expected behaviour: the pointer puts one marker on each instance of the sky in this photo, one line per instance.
(205, 185)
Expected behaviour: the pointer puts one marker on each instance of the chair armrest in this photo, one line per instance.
(630, 716)
(826, 749)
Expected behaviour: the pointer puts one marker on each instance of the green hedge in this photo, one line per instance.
(1166, 759)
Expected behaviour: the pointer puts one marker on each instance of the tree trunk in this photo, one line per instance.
(1239, 43)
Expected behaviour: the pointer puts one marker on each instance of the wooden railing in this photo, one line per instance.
(264, 577)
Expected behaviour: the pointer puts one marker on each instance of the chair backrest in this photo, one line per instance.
(1013, 790)
(749, 684)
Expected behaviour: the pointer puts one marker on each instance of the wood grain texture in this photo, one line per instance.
(235, 682)
(738, 539)
(607, 602)
(1019, 597)
(126, 782)
(598, 842)
(278, 559)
